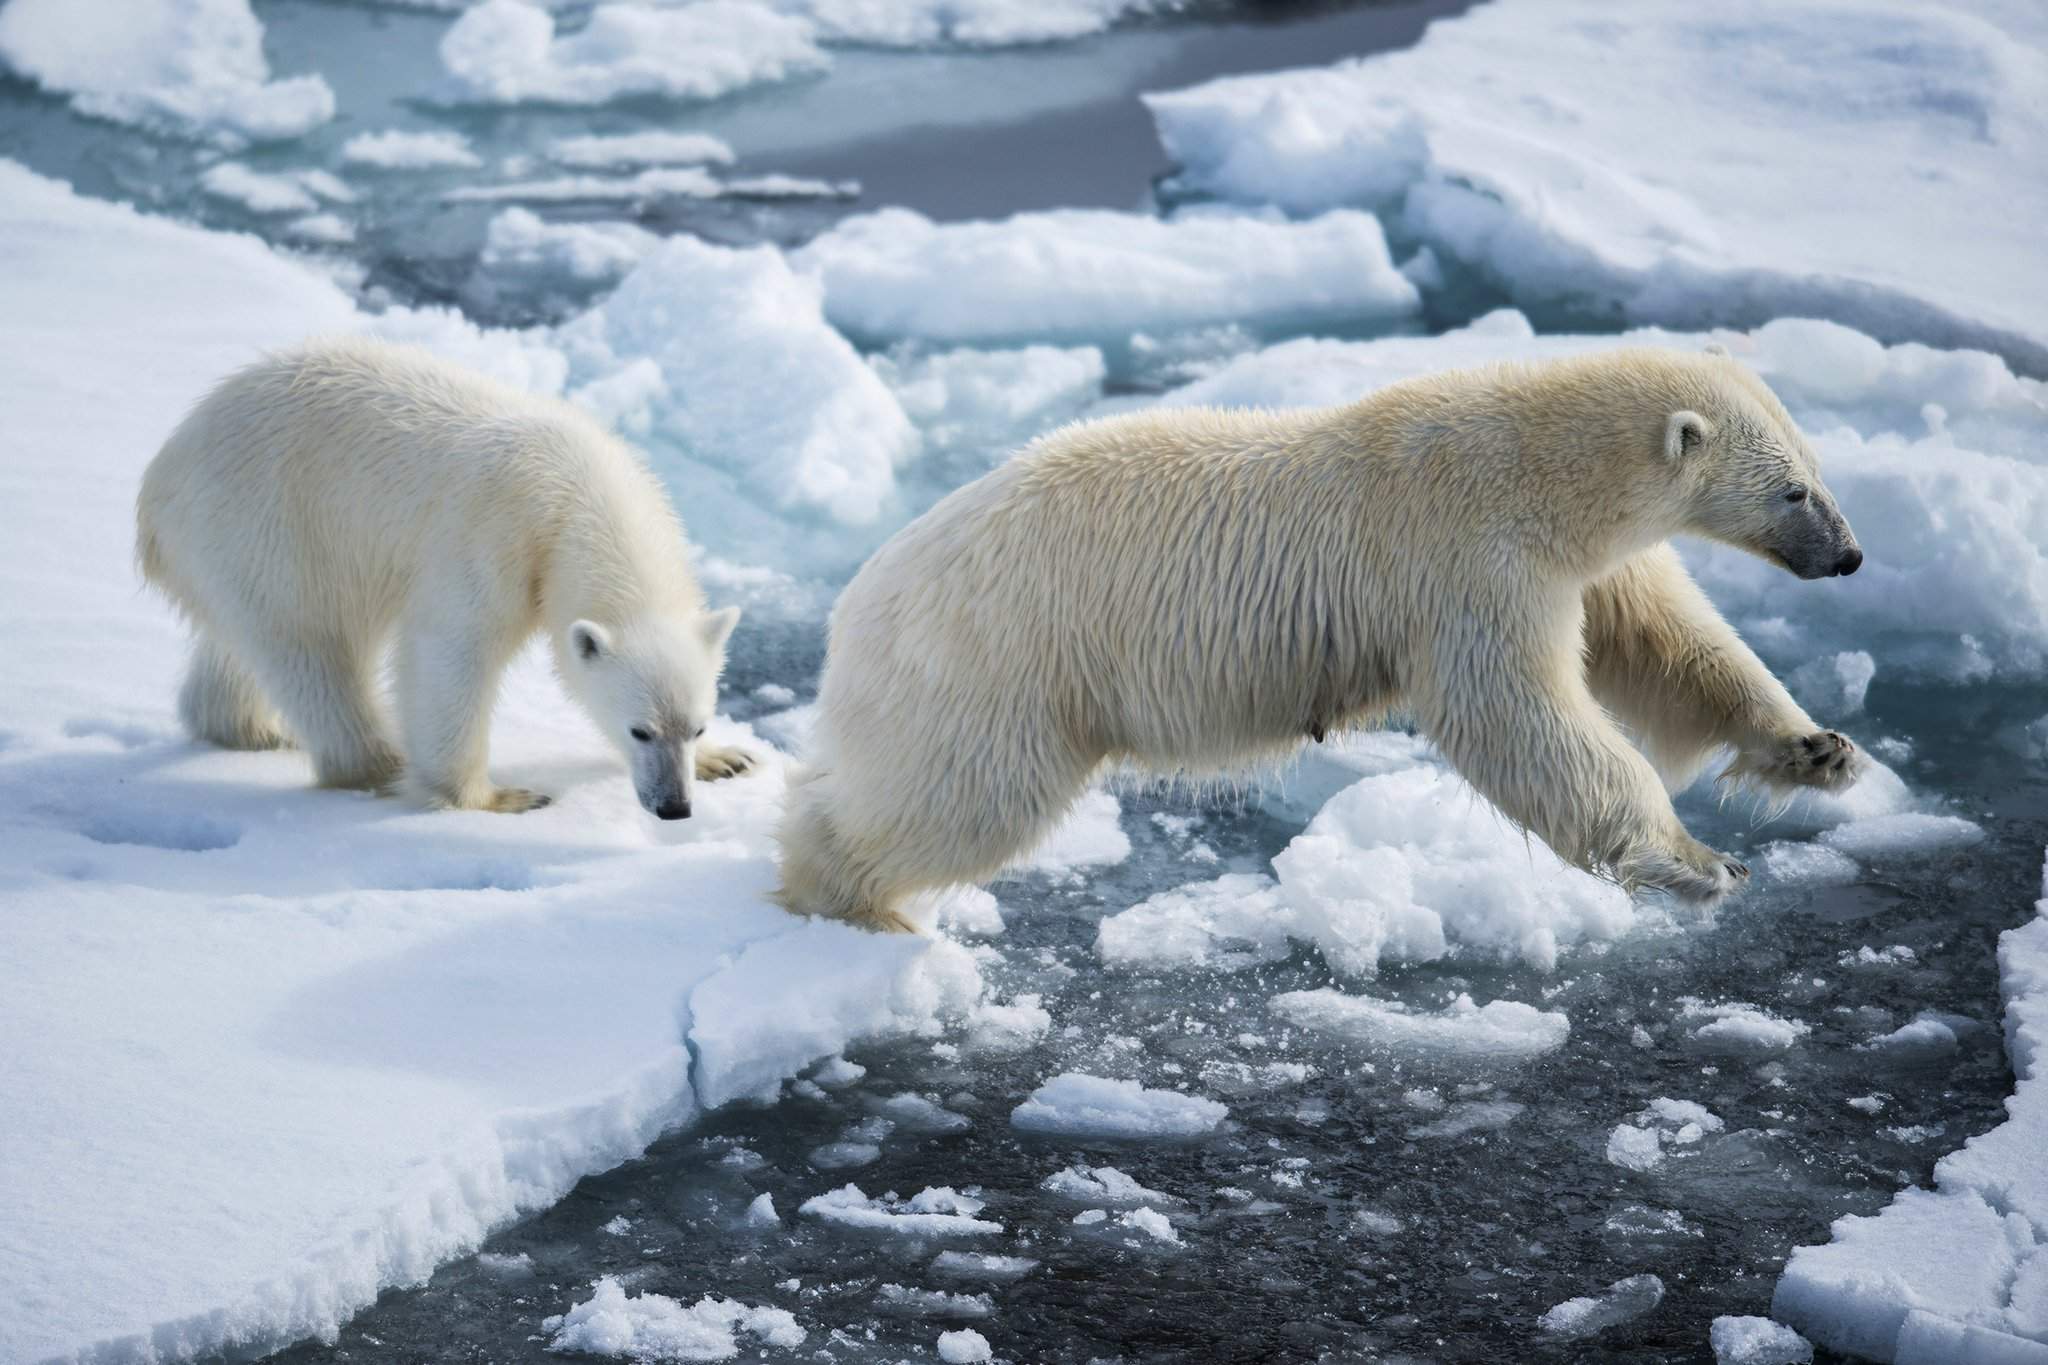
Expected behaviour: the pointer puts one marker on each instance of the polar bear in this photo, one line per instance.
(1192, 590)
(320, 502)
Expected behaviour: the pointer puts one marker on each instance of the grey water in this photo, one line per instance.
(1328, 1219)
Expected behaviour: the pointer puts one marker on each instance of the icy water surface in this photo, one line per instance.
(1355, 1206)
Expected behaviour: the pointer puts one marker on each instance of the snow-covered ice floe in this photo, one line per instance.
(966, 23)
(1501, 1028)
(1074, 1104)
(1955, 1275)
(189, 67)
(322, 1042)
(653, 1327)
(1820, 159)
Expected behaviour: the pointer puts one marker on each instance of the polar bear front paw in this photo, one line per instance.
(715, 761)
(1826, 759)
(1698, 875)
(516, 801)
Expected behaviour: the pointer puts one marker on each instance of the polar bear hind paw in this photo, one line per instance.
(1700, 876)
(716, 761)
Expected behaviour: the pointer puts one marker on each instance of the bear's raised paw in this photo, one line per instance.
(1826, 759)
(715, 761)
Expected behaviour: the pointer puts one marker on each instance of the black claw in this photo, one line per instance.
(1735, 869)
(1819, 759)
(1807, 743)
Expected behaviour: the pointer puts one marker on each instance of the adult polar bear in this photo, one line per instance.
(1195, 590)
(319, 501)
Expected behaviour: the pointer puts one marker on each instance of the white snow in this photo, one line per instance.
(1074, 1104)
(1957, 1274)
(395, 149)
(1233, 922)
(1757, 1341)
(1726, 163)
(1908, 834)
(616, 151)
(716, 322)
(966, 23)
(936, 1212)
(1090, 275)
(761, 1212)
(642, 187)
(1150, 1223)
(1834, 687)
(654, 1327)
(975, 1265)
(1618, 1303)
(1101, 1185)
(341, 1040)
(190, 67)
(1498, 1029)
(507, 52)
(964, 1347)
(257, 191)
(1090, 835)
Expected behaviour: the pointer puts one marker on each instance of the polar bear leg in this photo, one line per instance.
(322, 684)
(1516, 720)
(447, 681)
(221, 704)
(1666, 663)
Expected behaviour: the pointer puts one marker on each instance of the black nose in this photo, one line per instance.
(673, 810)
(1849, 563)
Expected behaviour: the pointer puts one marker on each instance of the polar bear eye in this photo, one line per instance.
(1796, 495)
(640, 733)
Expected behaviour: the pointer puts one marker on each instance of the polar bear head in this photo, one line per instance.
(1748, 478)
(650, 683)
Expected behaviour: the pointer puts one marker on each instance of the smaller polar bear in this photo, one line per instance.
(1189, 591)
(320, 502)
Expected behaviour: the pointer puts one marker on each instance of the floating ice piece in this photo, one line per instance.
(1498, 1029)
(191, 67)
(256, 191)
(643, 187)
(1926, 1038)
(761, 1212)
(933, 1303)
(837, 1156)
(617, 151)
(1958, 1274)
(1908, 834)
(521, 244)
(507, 52)
(1236, 921)
(1102, 1185)
(1622, 1301)
(396, 149)
(977, 406)
(1075, 275)
(1757, 1341)
(1091, 835)
(976, 1265)
(965, 23)
(1471, 1116)
(654, 1327)
(1805, 148)
(1151, 1223)
(1741, 1027)
(972, 911)
(1078, 1105)
(1803, 864)
(964, 1347)
(833, 435)
(514, 1266)
(1655, 1131)
(933, 1212)
(323, 229)
(1402, 864)
(916, 1114)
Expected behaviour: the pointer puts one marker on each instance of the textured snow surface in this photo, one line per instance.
(507, 52)
(654, 1327)
(1093, 275)
(1594, 1313)
(192, 67)
(1074, 1104)
(1757, 1341)
(1956, 1275)
(340, 1039)
(398, 150)
(967, 23)
(1727, 163)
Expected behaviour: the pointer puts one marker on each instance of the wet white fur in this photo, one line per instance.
(321, 504)
(1196, 590)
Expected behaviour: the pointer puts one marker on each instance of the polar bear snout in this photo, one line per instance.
(1850, 562)
(673, 810)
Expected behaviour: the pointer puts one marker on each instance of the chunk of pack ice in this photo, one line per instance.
(1498, 1029)
(1909, 834)
(625, 151)
(1658, 1129)
(964, 1347)
(1757, 1341)
(1236, 921)
(190, 67)
(519, 243)
(396, 149)
(965, 23)
(933, 1212)
(1102, 1185)
(1075, 1104)
(648, 1327)
(1620, 1302)
(508, 52)
(1090, 835)
(1740, 1027)
(1093, 275)
(1834, 686)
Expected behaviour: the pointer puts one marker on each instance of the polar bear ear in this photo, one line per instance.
(1684, 434)
(1716, 348)
(589, 641)
(717, 626)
